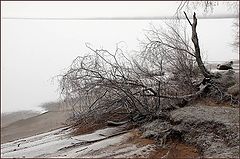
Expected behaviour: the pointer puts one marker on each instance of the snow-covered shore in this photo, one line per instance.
(60, 143)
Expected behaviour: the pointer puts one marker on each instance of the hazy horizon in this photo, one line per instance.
(34, 51)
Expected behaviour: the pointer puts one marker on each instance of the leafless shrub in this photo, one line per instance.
(107, 82)
(170, 51)
(235, 44)
(105, 85)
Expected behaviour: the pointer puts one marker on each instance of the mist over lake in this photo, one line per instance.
(35, 51)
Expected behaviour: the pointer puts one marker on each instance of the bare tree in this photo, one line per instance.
(105, 85)
(236, 40)
(195, 41)
(112, 83)
(208, 6)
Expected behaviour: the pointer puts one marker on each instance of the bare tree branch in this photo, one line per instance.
(187, 18)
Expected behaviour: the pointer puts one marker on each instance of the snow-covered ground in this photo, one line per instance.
(60, 143)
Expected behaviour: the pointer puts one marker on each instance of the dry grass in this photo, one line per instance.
(212, 102)
(176, 150)
(138, 140)
(88, 128)
(91, 125)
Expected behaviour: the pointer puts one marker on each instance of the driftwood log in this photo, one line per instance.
(115, 123)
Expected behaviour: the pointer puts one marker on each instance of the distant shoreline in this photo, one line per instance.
(37, 109)
(36, 123)
(8, 118)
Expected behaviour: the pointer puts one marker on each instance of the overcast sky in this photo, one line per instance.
(33, 51)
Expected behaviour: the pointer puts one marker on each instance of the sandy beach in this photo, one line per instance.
(37, 124)
(11, 117)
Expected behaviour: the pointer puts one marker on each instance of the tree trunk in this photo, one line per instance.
(201, 66)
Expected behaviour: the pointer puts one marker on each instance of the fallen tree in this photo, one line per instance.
(110, 86)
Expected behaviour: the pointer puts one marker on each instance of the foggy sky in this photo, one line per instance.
(34, 51)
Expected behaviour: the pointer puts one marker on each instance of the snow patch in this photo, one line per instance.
(60, 143)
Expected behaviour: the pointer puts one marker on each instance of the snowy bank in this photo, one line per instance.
(109, 142)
